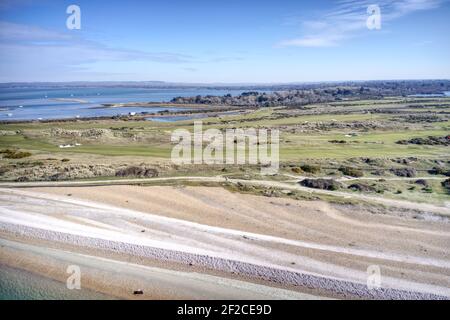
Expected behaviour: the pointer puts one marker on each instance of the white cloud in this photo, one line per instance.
(17, 40)
(19, 32)
(309, 41)
(348, 18)
(31, 51)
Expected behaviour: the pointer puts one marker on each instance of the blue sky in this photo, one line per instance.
(224, 41)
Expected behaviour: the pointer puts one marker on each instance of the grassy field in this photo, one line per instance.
(292, 146)
(340, 134)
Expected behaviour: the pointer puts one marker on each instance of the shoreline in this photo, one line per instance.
(341, 288)
(96, 227)
(99, 274)
(141, 116)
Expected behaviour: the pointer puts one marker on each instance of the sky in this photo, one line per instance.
(232, 41)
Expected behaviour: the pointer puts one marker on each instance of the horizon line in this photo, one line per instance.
(217, 83)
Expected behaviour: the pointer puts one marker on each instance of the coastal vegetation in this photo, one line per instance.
(351, 169)
(384, 143)
(300, 95)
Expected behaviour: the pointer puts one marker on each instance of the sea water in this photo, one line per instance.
(44, 103)
(16, 284)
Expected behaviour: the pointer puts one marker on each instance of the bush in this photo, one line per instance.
(5, 169)
(296, 170)
(33, 164)
(422, 182)
(439, 170)
(432, 141)
(14, 154)
(353, 172)
(65, 160)
(446, 184)
(324, 184)
(361, 187)
(310, 168)
(404, 172)
(136, 171)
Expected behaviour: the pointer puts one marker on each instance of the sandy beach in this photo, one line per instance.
(212, 237)
(225, 151)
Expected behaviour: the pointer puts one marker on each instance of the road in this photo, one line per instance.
(440, 210)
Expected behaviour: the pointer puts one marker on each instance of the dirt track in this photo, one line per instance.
(442, 210)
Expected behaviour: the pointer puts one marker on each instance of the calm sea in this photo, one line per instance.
(43, 103)
(432, 95)
(17, 284)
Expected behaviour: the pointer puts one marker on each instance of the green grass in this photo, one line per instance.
(300, 146)
(39, 145)
(374, 144)
(125, 150)
(292, 146)
(438, 195)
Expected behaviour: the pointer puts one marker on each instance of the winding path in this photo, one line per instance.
(440, 210)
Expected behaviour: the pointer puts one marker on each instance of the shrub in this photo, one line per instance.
(13, 154)
(5, 169)
(324, 184)
(439, 170)
(36, 163)
(361, 187)
(296, 170)
(421, 182)
(136, 171)
(310, 168)
(353, 172)
(404, 172)
(446, 184)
